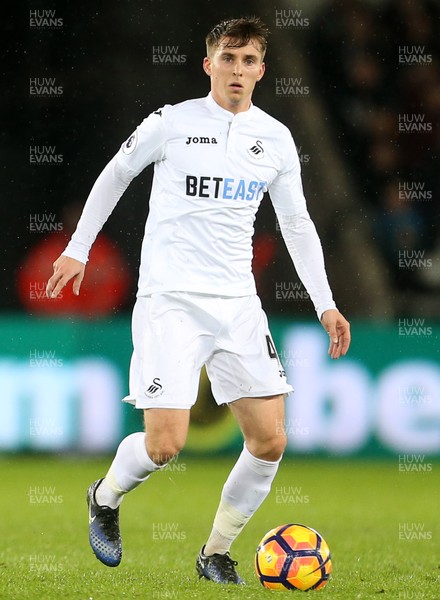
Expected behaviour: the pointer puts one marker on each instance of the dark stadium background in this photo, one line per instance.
(338, 75)
(102, 58)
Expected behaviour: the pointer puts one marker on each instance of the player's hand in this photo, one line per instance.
(338, 328)
(64, 269)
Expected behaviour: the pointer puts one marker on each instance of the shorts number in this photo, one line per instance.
(270, 347)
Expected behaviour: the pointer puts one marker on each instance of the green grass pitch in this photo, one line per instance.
(381, 525)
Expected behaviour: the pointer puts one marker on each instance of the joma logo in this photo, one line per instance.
(200, 140)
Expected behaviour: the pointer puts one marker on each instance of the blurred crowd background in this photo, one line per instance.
(378, 70)
(357, 82)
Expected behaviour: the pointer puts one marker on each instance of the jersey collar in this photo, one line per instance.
(218, 110)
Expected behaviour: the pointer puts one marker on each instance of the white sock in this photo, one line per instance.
(130, 467)
(245, 489)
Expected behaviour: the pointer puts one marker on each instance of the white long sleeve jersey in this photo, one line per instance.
(211, 169)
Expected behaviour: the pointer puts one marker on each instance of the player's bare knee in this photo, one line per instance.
(162, 453)
(276, 448)
(268, 449)
(281, 441)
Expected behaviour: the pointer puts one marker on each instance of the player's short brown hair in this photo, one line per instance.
(240, 32)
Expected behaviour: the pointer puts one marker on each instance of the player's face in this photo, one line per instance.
(234, 73)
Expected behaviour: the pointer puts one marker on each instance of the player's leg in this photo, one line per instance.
(165, 433)
(140, 454)
(137, 457)
(164, 375)
(261, 421)
(249, 363)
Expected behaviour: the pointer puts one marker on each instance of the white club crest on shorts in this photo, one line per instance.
(130, 144)
(155, 389)
(257, 150)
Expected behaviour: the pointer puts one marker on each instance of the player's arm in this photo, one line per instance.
(108, 188)
(143, 147)
(305, 249)
(304, 246)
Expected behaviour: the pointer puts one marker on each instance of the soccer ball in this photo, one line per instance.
(293, 557)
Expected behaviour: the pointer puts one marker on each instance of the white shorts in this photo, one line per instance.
(175, 334)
